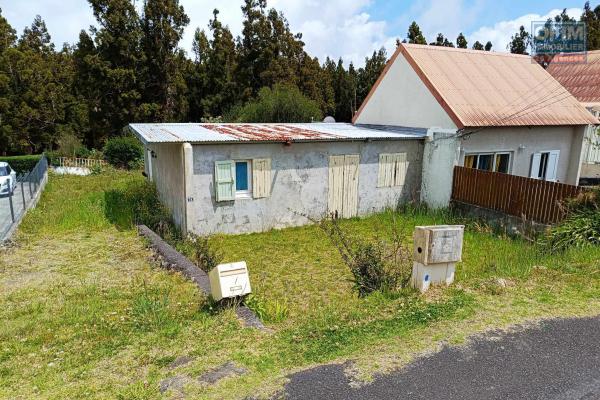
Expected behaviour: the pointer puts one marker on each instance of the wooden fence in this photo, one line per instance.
(79, 162)
(528, 198)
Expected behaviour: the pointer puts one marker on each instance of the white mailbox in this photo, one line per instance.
(229, 280)
(437, 249)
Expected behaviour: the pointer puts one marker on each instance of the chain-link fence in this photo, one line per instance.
(21, 197)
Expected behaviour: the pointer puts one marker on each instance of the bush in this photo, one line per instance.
(281, 104)
(580, 228)
(378, 265)
(124, 152)
(22, 164)
(202, 253)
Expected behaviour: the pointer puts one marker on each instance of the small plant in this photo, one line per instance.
(203, 253)
(124, 152)
(267, 310)
(150, 309)
(96, 169)
(378, 265)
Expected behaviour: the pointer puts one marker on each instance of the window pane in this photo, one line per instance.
(543, 166)
(241, 176)
(470, 161)
(502, 161)
(485, 162)
(3, 171)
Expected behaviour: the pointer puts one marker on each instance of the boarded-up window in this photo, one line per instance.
(392, 169)
(261, 170)
(343, 185)
(225, 180)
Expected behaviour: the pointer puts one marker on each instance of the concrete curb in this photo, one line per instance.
(174, 260)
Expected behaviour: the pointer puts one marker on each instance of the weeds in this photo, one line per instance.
(202, 253)
(269, 311)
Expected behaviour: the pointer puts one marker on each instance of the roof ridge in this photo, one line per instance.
(459, 50)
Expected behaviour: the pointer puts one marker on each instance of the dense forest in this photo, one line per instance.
(130, 68)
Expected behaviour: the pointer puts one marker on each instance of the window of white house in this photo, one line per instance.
(242, 179)
(495, 162)
(544, 165)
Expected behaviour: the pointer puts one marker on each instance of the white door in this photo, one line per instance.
(343, 185)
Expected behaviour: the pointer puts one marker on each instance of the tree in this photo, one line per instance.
(441, 41)
(477, 45)
(415, 35)
(163, 22)
(461, 41)
(368, 75)
(520, 42)
(592, 21)
(283, 103)
(488, 46)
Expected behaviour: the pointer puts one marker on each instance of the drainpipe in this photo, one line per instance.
(188, 199)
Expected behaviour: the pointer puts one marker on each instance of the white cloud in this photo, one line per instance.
(501, 32)
(449, 17)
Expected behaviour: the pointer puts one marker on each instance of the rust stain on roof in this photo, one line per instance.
(581, 79)
(275, 133)
(481, 88)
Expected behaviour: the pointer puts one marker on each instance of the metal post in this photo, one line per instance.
(12, 211)
(29, 183)
(22, 192)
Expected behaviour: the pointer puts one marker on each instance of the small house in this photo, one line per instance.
(233, 178)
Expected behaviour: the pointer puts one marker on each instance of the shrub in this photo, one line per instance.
(283, 103)
(124, 152)
(379, 265)
(202, 253)
(22, 164)
(580, 228)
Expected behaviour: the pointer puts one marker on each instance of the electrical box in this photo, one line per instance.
(437, 249)
(229, 280)
(438, 244)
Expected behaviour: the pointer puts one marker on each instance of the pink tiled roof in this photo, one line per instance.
(480, 88)
(582, 80)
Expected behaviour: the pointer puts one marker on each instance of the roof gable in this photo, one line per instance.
(479, 88)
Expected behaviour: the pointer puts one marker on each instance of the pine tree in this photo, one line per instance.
(520, 42)
(488, 46)
(442, 41)
(592, 22)
(368, 75)
(477, 45)
(461, 41)
(415, 35)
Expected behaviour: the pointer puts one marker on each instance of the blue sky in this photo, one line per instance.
(350, 29)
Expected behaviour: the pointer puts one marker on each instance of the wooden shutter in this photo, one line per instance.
(400, 167)
(224, 180)
(261, 177)
(336, 185)
(552, 167)
(536, 158)
(350, 201)
(392, 169)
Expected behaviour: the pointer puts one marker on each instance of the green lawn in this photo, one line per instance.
(85, 313)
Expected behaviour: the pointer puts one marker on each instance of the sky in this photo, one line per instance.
(351, 29)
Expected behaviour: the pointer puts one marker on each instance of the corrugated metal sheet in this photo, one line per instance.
(582, 80)
(479, 88)
(226, 133)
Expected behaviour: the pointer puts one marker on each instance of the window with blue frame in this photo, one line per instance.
(242, 177)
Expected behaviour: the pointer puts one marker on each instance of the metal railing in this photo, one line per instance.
(21, 197)
(79, 162)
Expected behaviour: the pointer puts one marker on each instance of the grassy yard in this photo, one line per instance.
(86, 314)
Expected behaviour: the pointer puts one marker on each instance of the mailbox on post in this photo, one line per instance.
(437, 249)
(229, 280)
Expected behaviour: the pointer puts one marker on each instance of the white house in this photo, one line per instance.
(509, 114)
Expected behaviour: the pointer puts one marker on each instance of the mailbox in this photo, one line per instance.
(437, 249)
(229, 280)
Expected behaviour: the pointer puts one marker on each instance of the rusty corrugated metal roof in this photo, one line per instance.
(582, 79)
(481, 89)
(227, 133)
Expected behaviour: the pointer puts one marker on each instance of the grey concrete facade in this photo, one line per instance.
(299, 187)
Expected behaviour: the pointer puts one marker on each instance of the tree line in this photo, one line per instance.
(130, 68)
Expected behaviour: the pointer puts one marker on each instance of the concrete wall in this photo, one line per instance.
(299, 175)
(168, 174)
(402, 99)
(441, 154)
(522, 142)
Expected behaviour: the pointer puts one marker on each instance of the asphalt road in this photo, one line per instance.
(5, 217)
(558, 360)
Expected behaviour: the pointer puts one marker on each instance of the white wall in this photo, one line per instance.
(441, 154)
(567, 139)
(168, 174)
(402, 99)
(300, 179)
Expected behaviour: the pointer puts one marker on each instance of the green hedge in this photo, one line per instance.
(22, 164)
